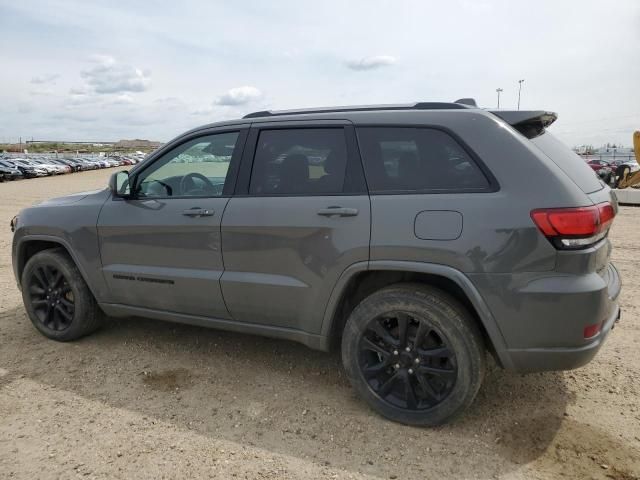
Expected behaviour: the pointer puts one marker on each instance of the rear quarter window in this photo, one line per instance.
(416, 159)
(569, 162)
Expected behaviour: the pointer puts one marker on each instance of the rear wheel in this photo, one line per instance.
(414, 354)
(56, 297)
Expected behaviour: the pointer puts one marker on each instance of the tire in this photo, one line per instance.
(444, 369)
(50, 276)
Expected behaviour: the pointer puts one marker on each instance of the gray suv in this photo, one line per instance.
(416, 238)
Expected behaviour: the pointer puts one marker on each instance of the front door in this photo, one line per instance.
(161, 248)
(295, 226)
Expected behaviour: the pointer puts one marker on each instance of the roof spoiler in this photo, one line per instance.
(516, 117)
(471, 102)
(530, 123)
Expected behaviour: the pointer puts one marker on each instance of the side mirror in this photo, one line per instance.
(119, 184)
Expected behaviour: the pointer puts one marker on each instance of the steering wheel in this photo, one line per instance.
(186, 189)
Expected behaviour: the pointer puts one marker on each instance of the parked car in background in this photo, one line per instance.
(122, 160)
(603, 170)
(49, 168)
(597, 165)
(413, 242)
(112, 162)
(101, 162)
(29, 170)
(79, 163)
(632, 164)
(65, 162)
(44, 164)
(9, 173)
(88, 163)
(48, 163)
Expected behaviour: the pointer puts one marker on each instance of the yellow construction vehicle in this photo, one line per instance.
(624, 177)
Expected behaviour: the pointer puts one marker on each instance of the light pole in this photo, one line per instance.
(519, 90)
(498, 90)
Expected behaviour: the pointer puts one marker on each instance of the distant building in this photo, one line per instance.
(583, 149)
(614, 150)
(137, 143)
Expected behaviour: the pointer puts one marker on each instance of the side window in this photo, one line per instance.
(399, 159)
(299, 161)
(197, 168)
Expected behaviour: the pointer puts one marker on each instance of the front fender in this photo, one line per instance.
(72, 225)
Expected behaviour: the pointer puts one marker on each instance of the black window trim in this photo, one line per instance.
(492, 187)
(232, 173)
(353, 168)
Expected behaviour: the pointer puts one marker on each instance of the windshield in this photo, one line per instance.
(569, 162)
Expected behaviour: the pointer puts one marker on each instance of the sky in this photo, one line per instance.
(107, 70)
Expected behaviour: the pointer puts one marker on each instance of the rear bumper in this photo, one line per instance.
(542, 317)
(541, 359)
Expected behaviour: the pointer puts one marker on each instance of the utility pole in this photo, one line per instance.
(498, 90)
(519, 90)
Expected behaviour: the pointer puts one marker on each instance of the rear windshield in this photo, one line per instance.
(569, 162)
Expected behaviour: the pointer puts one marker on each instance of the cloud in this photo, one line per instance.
(239, 96)
(370, 63)
(169, 103)
(25, 107)
(45, 92)
(123, 99)
(80, 99)
(202, 111)
(42, 79)
(78, 91)
(75, 116)
(111, 76)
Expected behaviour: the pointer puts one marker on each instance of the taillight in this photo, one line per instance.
(577, 227)
(592, 330)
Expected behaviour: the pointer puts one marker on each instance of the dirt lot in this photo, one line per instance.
(157, 400)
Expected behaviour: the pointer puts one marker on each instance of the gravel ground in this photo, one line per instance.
(145, 399)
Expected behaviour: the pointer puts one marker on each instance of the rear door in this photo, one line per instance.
(299, 218)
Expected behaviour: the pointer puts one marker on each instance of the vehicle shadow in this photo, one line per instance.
(285, 398)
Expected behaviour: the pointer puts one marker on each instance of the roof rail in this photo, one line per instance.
(364, 108)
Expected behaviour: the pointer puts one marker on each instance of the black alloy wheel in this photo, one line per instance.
(56, 297)
(51, 297)
(406, 361)
(414, 353)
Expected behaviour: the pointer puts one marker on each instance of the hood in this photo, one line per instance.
(69, 199)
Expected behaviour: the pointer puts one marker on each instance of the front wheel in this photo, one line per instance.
(414, 354)
(56, 297)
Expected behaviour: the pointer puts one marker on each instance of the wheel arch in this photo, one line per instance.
(362, 279)
(30, 245)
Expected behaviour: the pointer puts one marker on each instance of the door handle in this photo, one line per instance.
(339, 211)
(198, 212)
